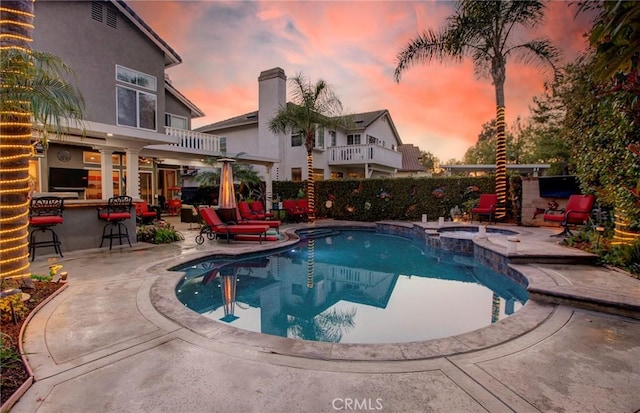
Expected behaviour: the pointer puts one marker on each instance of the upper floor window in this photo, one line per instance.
(133, 77)
(296, 139)
(136, 108)
(174, 121)
(332, 133)
(353, 139)
(319, 137)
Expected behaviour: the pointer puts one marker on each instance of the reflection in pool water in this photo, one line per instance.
(351, 286)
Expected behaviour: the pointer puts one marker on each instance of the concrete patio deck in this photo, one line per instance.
(117, 340)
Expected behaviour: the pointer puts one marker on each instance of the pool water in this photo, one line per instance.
(351, 286)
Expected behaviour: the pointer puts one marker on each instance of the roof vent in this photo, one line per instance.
(96, 11)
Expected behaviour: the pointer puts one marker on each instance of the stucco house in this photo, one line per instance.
(136, 132)
(367, 149)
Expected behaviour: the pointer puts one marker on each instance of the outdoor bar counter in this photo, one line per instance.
(81, 227)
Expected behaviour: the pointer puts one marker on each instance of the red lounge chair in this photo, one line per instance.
(486, 206)
(294, 213)
(258, 208)
(270, 222)
(145, 214)
(247, 213)
(577, 212)
(214, 227)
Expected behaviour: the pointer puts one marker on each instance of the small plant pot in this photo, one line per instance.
(63, 276)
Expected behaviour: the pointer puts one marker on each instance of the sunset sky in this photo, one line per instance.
(352, 45)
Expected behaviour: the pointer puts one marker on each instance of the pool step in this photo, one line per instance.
(317, 233)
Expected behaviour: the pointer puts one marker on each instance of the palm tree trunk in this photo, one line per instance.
(311, 197)
(15, 149)
(501, 143)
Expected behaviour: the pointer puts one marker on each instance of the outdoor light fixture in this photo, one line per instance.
(227, 196)
(599, 230)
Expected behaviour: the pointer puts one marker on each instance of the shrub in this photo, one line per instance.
(160, 232)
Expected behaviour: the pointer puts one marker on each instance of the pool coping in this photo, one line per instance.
(532, 315)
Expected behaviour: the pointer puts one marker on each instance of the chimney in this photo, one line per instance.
(272, 95)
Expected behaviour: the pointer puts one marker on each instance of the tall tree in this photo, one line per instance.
(484, 30)
(33, 91)
(313, 108)
(430, 161)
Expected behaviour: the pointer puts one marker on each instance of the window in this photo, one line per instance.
(175, 121)
(133, 77)
(319, 137)
(91, 157)
(94, 188)
(337, 175)
(223, 144)
(353, 139)
(136, 109)
(296, 140)
(318, 174)
(332, 133)
(296, 174)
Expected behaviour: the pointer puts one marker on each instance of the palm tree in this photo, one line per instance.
(33, 91)
(243, 173)
(314, 107)
(482, 30)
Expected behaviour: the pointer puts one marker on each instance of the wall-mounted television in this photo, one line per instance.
(558, 186)
(68, 178)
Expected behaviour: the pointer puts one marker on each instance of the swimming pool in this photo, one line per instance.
(350, 286)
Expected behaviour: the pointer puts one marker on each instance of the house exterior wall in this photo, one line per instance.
(92, 49)
(175, 107)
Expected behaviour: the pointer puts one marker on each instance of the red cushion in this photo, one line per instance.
(45, 220)
(115, 216)
(554, 217)
(247, 229)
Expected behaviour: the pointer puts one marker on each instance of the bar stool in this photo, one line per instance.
(118, 209)
(44, 213)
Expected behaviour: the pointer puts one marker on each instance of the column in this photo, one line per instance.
(133, 174)
(268, 189)
(106, 167)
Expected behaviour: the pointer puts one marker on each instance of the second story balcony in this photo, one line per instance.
(192, 142)
(365, 154)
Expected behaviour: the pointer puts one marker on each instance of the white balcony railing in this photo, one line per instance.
(361, 154)
(194, 141)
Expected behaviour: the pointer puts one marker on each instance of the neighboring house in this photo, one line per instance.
(411, 162)
(136, 130)
(366, 150)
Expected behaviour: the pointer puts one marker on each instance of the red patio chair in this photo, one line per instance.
(117, 211)
(247, 213)
(144, 213)
(44, 213)
(214, 227)
(272, 223)
(576, 212)
(303, 204)
(293, 211)
(486, 206)
(258, 208)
